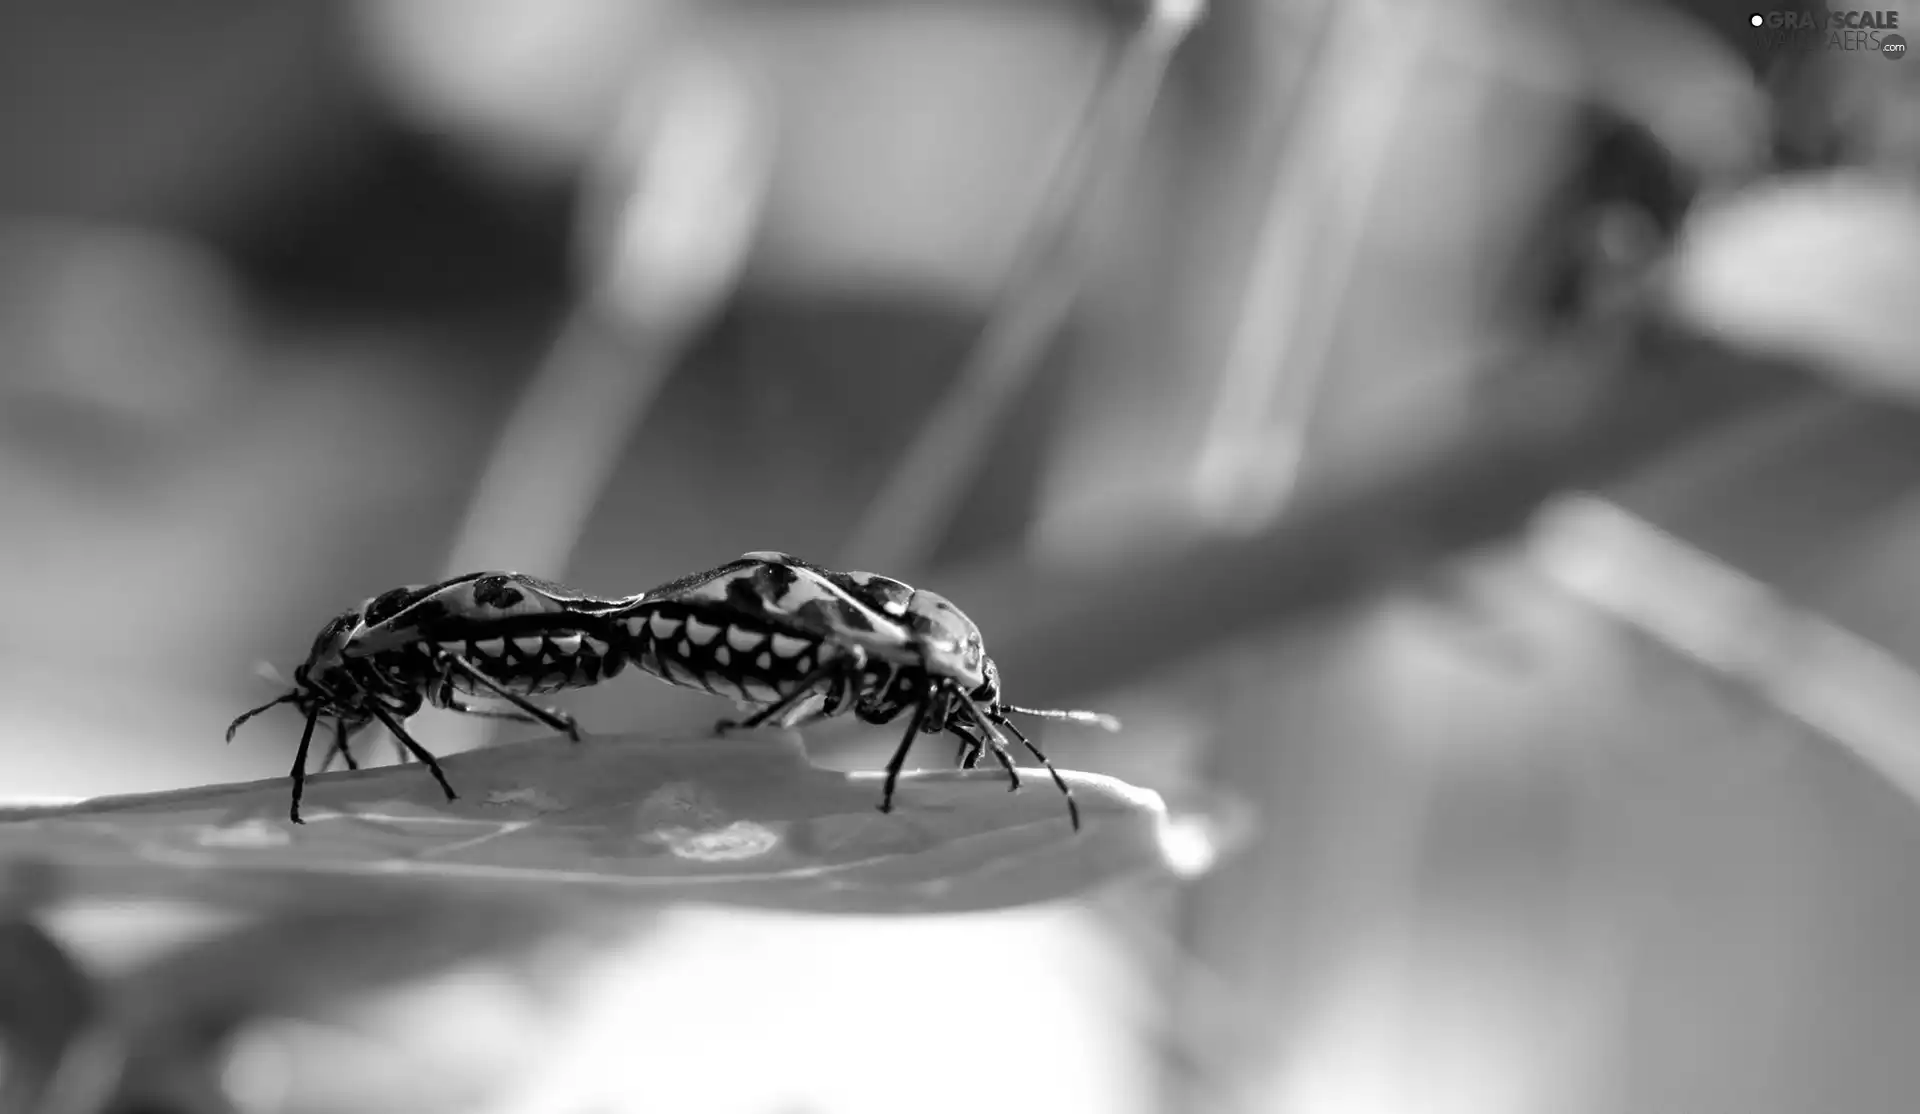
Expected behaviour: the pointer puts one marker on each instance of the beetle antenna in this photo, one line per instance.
(987, 719)
(1093, 719)
(283, 698)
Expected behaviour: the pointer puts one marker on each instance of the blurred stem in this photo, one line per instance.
(671, 206)
(1710, 612)
(1308, 240)
(902, 524)
(1064, 633)
(559, 449)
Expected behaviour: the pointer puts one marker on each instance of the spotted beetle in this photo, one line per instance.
(801, 643)
(486, 634)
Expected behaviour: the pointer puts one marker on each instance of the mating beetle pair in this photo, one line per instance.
(795, 642)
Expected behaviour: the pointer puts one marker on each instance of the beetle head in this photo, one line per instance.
(987, 693)
(322, 674)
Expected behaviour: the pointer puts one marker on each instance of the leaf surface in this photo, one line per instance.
(738, 820)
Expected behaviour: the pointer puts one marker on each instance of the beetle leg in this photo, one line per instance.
(340, 749)
(834, 674)
(1073, 806)
(392, 724)
(299, 771)
(834, 694)
(552, 717)
(942, 710)
(972, 748)
(968, 756)
(493, 713)
(420, 752)
(448, 697)
(899, 759)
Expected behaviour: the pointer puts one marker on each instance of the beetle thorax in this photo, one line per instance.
(322, 677)
(324, 671)
(947, 642)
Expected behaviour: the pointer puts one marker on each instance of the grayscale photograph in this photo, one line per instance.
(959, 557)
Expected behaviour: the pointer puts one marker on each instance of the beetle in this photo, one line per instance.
(487, 634)
(800, 643)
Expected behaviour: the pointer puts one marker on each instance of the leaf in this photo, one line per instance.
(625, 819)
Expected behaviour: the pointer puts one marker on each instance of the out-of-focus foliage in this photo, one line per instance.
(1821, 267)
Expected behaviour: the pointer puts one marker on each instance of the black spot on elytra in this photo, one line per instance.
(744, 597)
(429, 611)
(777, 579)
(814, 614)
(497, 591)
(390, 603)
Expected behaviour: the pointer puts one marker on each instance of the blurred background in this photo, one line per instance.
(1475, 442)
